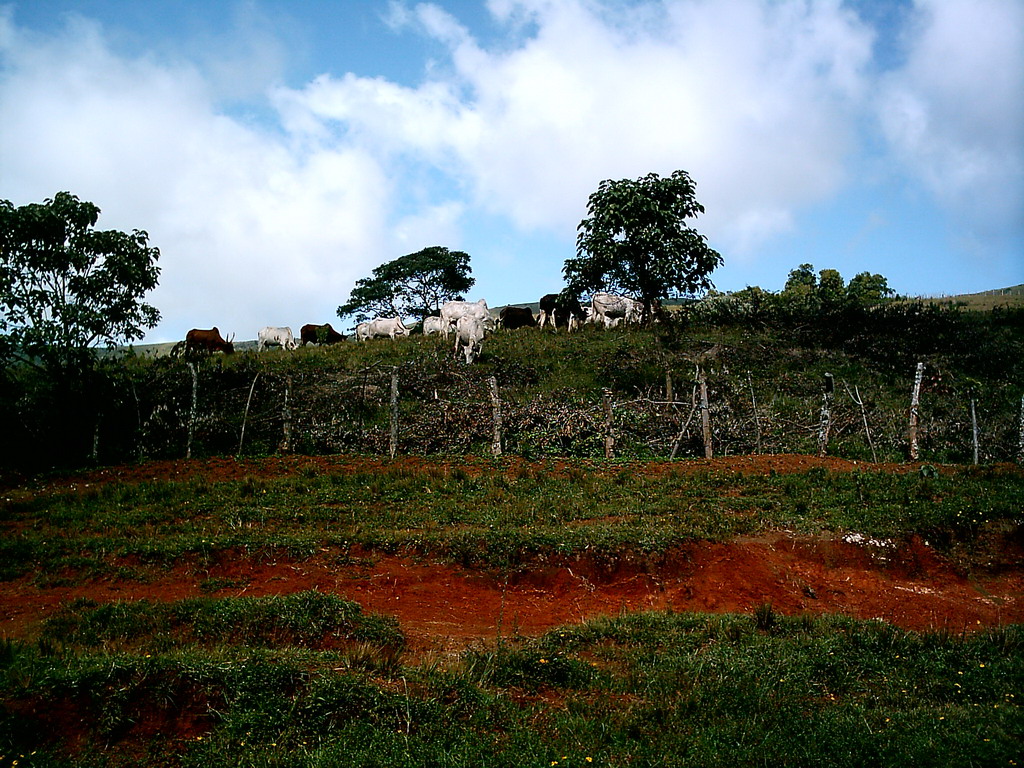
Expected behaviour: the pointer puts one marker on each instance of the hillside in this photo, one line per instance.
(1012, 297)
(600, 594)
(568, 395)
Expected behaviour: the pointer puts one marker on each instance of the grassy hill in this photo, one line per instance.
(214, 612)
(1012, 297)
(765, 375)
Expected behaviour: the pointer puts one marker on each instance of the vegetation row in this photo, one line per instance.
(765, 374)
(649, 689)
(506, 517)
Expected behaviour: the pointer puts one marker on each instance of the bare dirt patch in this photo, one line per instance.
(447, 607)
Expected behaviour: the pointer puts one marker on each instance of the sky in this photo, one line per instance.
(276, 151)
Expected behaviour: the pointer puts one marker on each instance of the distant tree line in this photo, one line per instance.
(864, 317)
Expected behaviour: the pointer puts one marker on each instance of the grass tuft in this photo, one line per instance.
(305, 619)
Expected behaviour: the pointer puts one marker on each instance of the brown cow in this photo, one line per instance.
(319, 334)
(202, 340)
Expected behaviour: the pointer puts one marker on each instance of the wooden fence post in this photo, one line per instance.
(496, 409)
(974, 430)
(686, 426)
(705, 413)
(757, 421)
(669, 394)
(286, 417)
(394, 412)
(609, 437)
(864, 417)
(1020, 433)
(140, 431)
(192, 411)
(95, 453)
(826, 415)
(915, 399)
(245, 416)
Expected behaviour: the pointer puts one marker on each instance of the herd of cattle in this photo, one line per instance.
(469, 321)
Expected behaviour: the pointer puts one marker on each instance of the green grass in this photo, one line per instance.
(650, 689)
(310, 680)
(984, 301)
(493, 520)
(305, 619)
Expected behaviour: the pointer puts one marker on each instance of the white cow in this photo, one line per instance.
(382, 326)
(609, 310)
(469, 337)
(453, 310)
(275, 337)
(432, 324)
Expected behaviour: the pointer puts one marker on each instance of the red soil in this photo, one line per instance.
(445, 607)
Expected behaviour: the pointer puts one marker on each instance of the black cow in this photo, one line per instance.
(516, 317)
(558, 310)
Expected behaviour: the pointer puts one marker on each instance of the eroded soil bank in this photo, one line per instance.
(443, 606)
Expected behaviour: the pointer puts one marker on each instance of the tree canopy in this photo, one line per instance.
(827, 291)
(416, 284)
(66, 286)
(635, 240)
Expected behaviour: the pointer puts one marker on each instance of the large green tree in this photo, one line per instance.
(413, 285)
(866, 288)
(636, 240)
(66, 287)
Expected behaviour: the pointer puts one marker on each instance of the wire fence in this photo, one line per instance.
(202, 409)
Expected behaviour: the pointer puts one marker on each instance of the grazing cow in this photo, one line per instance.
(432, 324)
(382, 326)
(319, 334)
(558, 310)
(453, 310)
(207, 340)
(469, 337)
(516, 317)
(610, 310)
(275, 337)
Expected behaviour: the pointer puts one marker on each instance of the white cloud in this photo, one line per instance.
(754, 99)
(763, 101)
(253, 227)
(954, 114)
